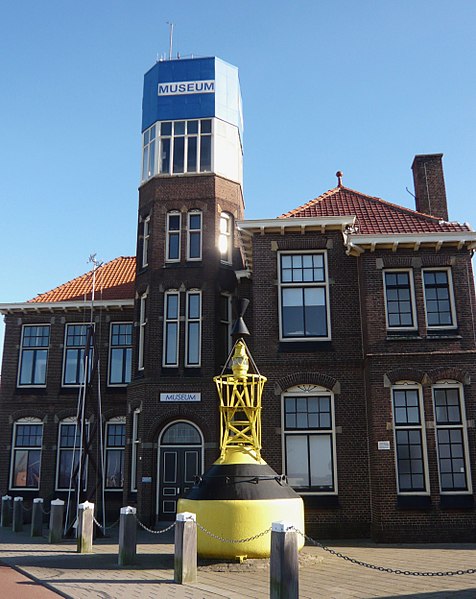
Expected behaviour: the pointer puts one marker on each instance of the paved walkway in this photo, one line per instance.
(97, 575)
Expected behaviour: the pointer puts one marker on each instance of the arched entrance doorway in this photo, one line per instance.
(180, 461)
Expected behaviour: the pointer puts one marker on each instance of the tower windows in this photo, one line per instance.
(145, 241)
(183, 147)
(225, 239)
(193, 331)
(171, 329)
(174, 220)
(194, 235)
(142, 327)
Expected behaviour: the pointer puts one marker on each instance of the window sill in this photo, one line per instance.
(443, 335)
(457, 502)
(414, 502)
(320, 501)
(286, 347)
(403, 336)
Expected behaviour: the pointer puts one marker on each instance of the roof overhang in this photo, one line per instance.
(357, 244)
(69, 306)
(248, 228)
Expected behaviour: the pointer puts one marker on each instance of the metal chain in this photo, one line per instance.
(358, 562)
(27, 509)
(46, 512)
(223, 540)
(154, 532)
(105, 527)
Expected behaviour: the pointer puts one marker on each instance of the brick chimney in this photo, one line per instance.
(430, 185)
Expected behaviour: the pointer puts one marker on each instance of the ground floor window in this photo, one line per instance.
(70, 448)
(26, 453)
(309, 439)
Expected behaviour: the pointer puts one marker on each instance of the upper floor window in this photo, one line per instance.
(410, 447)
(225, 239)
(70, 448)
(74, 350)
(399, 299)
(120, 353)
(173, 236)
(177, 147)
(303, 297)
(171, 328)
(115, 446)
(194, 235)
(135, 449)
(34, 355)
(193, 339)
(26, 453)
(309, 440)
(148, 153)
(439, 299)
(145, 241)
(451, 438)
(223, 345)
(142, 327)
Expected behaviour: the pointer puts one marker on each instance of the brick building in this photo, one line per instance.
(361, 317)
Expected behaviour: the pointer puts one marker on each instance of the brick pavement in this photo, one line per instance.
(322, 575)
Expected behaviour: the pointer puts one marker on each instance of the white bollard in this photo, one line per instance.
(185, 555)
(85, 527)
(284, 563)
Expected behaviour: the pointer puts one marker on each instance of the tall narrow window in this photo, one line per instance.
(26, 453)
(115, 446)
(34, 355)
(399, 299)
(205, 145)
(193, 340)
(173, 236)
(303, 296)
(135, 449)
(439, 300)
(120, 353)
(70, 448)
(75, 345)
(145, 241)
(171, 328)
(309, 440)
(409, 440)
(148, 154)
(225, 239)
(142, 327)
(194, 236)
(223, 345)
(451, 437)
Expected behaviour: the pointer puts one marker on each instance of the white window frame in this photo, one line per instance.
(324, 285)
(14, 448)
(172, 141)
(411, 386)
(71, 421)
(174, 232)
(228, 322)
(142, 330)
(149, 160)
(189, 321)
(408, 271)
(463, 426)
(449, 276)
(82, 349)
(308, 391)
(169, 321)
(34, 349)
(190, 232)
(145, 241)
(135, 449)
(121, 421)
(123, 347)
(225, 238)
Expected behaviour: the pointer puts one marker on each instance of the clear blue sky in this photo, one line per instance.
(327, 85)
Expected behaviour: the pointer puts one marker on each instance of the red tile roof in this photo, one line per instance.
(114, 281)
(374, 216)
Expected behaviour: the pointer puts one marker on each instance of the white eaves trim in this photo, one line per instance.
(37, 307)
(296, 223)
(356, 244)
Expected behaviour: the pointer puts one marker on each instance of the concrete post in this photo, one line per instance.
(17, 524)
(185, 557)
(284, 563)
(37, 517)
(127, 536)
(85, 527)
(7, 509)
(56, 521)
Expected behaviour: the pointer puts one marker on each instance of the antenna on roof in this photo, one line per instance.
(171, 37)
(339, 176)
